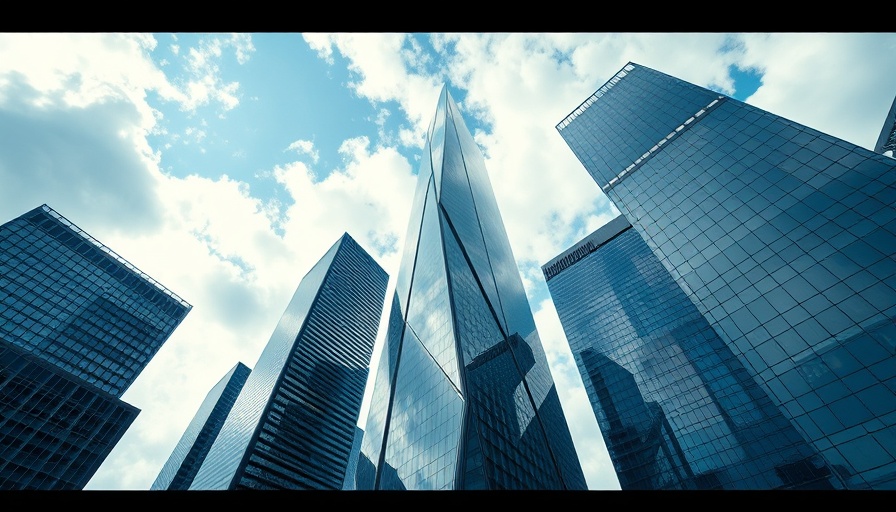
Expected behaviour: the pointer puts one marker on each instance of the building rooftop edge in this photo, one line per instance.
(583, 106)
(585, 246)
(112, 254)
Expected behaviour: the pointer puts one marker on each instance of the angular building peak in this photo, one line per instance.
(463, 397)
(294, 422)
(181, 467)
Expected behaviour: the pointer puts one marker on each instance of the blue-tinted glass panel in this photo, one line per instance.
(429, 310)
(675, 406)
(425, 424)
(795, 208)
(504, 443)
(181, 467)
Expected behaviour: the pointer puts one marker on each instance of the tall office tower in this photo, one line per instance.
(294, 422)
(676, 408)
(783, 238)
(886, 142)
(181, 467)
(77, 325)
(463, 397)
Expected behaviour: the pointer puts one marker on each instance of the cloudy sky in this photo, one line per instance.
(224, 165)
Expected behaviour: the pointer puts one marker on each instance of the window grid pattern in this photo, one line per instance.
(676, 408)
(55, 430)
(70, 303)
(784, 238)
(77, 326)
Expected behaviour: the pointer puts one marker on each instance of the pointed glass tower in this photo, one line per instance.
(886, 142)
(463, 397)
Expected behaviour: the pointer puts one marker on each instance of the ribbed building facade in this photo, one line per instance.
(463, 397)
(294, 422)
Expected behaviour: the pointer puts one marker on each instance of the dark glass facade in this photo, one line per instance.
(294, 422)
(782, 237)
(675, 406)
(181, 467)
(78, 324)
(55, 430)
(463, 397)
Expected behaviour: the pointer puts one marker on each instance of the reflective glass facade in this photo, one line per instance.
(463, 397)
(675, 406)
(294, 422)
(78, 324)
(181, 467)
(71, 301)
(782, 237)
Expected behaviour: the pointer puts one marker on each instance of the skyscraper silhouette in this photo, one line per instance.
(294, 422)
(181, 467)
(78, 324)
(463, 397)
(782, 237)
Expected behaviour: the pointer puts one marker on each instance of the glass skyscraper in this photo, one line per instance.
(781, 236)
(181, 467)
(78, 324)
(676, 408)
(463, 397)
(294, 422)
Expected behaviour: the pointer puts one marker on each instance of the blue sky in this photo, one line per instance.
(224, 165)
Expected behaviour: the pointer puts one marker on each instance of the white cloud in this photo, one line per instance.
(65, 67)
(74, 126)
(242, 45)
(305, 147)
(817, 80)
(386, 69)
(367, 198)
